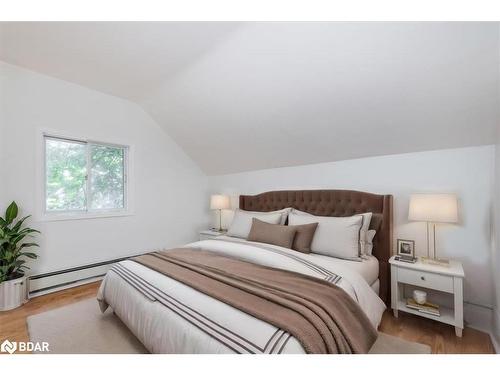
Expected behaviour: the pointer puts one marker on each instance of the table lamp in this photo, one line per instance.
(432, 209)
(220, 202)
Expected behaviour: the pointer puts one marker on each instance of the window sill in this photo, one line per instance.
(83, 216)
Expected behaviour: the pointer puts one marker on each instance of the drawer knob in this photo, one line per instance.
(422, 278)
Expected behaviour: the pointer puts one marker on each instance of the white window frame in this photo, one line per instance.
(88, 213)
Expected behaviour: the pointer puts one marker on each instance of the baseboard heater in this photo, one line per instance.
(68, 278)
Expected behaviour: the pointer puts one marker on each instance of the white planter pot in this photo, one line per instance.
(13, 293)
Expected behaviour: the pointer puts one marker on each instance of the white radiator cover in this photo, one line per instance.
(69, 278)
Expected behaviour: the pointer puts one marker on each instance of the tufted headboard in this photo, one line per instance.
(337, 203)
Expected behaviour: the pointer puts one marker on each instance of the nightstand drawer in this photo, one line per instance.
(426, 279)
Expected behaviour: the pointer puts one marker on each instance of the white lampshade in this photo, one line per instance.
(436, 208)
(220, 202)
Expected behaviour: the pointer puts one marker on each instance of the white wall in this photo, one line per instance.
(495, 263)
(495, 249)
(466, 171)
(496, 243)
(170, 190)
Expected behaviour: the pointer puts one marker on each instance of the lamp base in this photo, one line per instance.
(435, 261)
(219, 230)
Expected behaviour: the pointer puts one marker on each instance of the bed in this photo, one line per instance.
(168, 316)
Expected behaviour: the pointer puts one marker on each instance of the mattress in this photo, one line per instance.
(376, 286)
(367, 268)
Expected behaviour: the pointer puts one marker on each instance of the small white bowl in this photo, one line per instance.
(420, 296)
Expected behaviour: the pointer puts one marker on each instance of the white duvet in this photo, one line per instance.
(170, 317)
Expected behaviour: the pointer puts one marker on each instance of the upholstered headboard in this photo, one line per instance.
(337, 203)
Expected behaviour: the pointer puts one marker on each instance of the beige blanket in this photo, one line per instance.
(320, 315)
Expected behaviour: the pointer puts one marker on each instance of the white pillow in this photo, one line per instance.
(284, 213)
(369, 241)
(335, 236)
(242, 221)
(366, 219)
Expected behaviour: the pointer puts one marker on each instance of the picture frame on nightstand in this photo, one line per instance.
(406, 248)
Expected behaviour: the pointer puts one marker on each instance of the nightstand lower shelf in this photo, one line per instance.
(445, 280)
(447, 315)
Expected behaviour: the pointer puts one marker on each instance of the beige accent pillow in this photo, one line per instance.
(274, 234)
(304, 237)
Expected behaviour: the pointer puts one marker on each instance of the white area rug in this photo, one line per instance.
(81, 328)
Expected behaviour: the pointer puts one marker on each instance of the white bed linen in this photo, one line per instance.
(367, 267)
(171, 317)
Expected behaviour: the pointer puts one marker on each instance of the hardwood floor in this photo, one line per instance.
(440, 337)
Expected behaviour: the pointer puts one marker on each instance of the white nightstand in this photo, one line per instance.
(210, 234)
(444, 279)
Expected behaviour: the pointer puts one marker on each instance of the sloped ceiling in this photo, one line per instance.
(245, 96)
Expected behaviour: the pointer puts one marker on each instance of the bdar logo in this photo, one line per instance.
(24, 346)
(8, 347)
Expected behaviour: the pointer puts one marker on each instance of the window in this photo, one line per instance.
(83, 177)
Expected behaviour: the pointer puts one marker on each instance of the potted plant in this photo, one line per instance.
(13, 254)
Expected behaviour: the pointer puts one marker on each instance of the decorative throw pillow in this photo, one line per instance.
(304, 237)
(335, 236)
(242, 221)
(274, 234)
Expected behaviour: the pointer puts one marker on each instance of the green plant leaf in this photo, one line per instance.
(29, 255)
(11, 212)
(12, 258)
(28, 244)
(16, 227)
(16, 239)
(28, 230)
